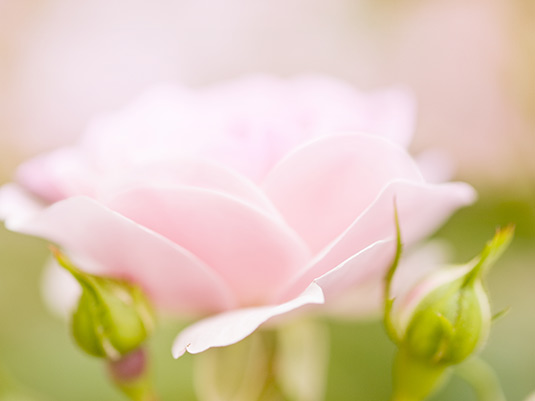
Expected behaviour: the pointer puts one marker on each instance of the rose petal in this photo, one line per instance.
(60, 290)
(371, 261)
(324, 186)
(436, 165)
(17, 204)
(394, 114)
(158, 125)
(57, 175)
(173, 277)
(333, 106)
(188, 172)
(253, 252)
(421, 208)
(366, 298)
(230, 327)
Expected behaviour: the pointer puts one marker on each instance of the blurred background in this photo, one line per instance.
(470, 65)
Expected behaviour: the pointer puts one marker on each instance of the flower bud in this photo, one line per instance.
(113, 317)
(453, 320)
(450, 323)
(446, 318)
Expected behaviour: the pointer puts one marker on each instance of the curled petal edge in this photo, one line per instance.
(230, 327)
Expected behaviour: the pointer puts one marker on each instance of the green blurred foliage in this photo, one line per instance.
(37, 351)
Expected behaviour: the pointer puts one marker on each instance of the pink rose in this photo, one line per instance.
(246, 200)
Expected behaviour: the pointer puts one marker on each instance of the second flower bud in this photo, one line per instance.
(113, 317)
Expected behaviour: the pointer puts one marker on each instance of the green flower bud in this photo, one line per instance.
(450, 323)
(445, 319)
(113, 316)
(453, 320)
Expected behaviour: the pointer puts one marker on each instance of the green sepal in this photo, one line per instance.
(388, 300)
(501, 313)
(491, 253)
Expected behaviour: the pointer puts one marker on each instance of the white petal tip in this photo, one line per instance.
(179, 351)
(230, 327)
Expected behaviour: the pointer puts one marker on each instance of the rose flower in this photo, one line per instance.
(243, 201)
